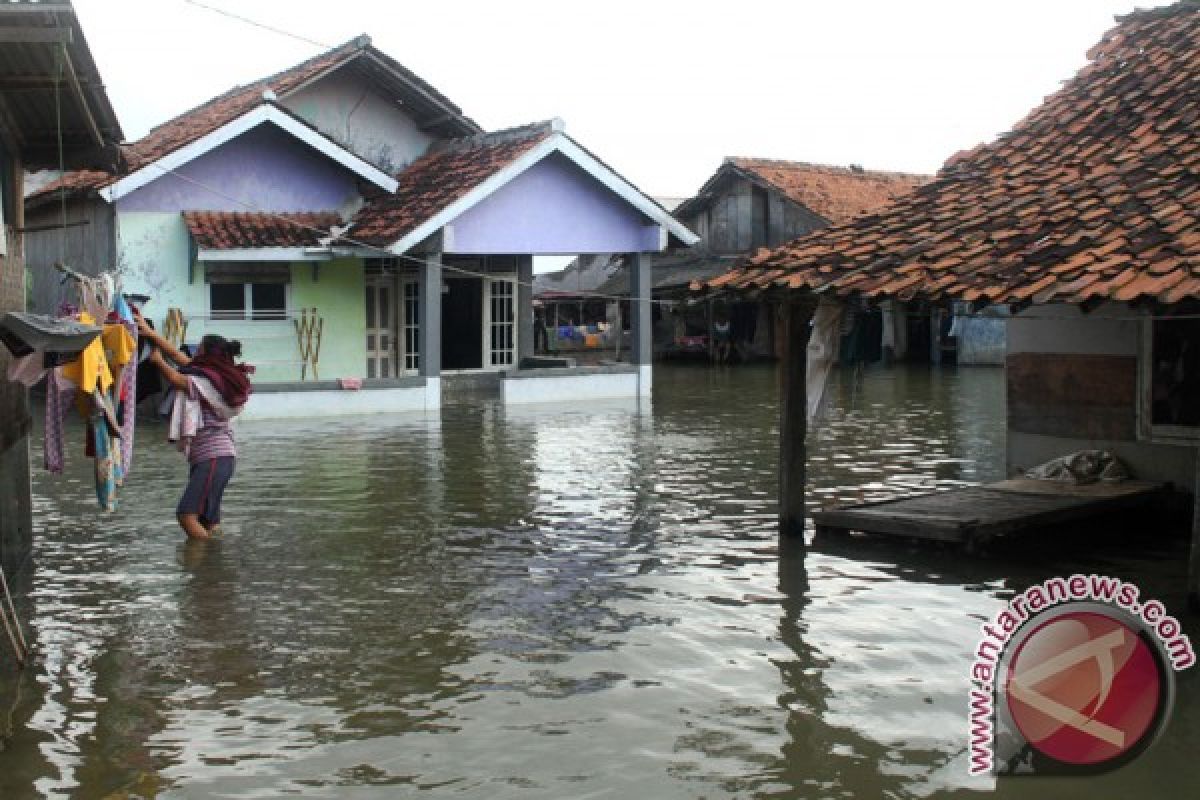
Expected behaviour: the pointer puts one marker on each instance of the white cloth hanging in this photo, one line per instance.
(823, 343)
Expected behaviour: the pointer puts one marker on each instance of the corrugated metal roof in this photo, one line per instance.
(44, 57)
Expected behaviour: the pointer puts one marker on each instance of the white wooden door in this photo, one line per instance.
(381, 326)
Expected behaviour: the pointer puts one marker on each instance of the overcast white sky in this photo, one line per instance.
(660, 90)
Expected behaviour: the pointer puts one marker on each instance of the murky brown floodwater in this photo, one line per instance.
(521, 603)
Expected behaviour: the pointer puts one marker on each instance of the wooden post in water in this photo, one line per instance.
(793, 416)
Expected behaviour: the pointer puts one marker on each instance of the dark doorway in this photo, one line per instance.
(462, 324)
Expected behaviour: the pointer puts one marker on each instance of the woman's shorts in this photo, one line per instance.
(206, 486)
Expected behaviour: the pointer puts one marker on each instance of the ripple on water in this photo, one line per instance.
(584, 601)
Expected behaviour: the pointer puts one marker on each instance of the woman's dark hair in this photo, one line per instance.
(214, 344)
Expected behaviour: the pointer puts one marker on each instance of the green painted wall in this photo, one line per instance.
(154, 254)
(339, 293)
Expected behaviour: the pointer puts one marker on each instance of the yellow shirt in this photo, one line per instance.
(118, 344)
(90, 370)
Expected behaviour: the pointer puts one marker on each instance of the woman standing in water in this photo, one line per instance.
(210, 390)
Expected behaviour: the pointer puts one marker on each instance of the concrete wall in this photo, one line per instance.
(306, 402)
(554, 207)
(981, 341)
(264, 168)
(360, 119)
(1104, 332)
(570, 386)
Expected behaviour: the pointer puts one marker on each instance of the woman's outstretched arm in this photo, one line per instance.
(165, 347)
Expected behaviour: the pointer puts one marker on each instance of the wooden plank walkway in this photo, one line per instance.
(974, 514)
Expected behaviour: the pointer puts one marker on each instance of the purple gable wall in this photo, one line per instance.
(554, 207)
(265, 167)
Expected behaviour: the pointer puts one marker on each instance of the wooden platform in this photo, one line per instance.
(972, 515)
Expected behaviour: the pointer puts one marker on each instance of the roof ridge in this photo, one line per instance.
(490, 138)
(1179, 7)
(360, 42)
(851, 169)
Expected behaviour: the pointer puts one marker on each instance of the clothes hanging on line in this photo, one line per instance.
(101, 377)
(28, 370)
(60, 392)
(90, 370)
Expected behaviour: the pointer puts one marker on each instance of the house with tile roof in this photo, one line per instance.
(746, 205)
(1083, 223)
(348, 196)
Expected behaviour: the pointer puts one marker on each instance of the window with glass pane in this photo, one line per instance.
(268, 300)
(1175, 373)
(227, 300)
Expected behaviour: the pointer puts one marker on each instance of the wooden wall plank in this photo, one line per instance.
(1072, 395)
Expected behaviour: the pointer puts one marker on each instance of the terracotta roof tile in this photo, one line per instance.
(435, 180)
(838, 194)
(226, 230)
(1094, 195)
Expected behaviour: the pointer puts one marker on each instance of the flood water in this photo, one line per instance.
(574, 602)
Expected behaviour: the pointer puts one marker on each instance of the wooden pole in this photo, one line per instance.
(793, 416)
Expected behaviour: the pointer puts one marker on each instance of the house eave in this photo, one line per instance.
(558, 142)
(267, 113)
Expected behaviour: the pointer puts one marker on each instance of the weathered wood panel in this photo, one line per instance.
(88, 245)
(16, 529)
(776, 219)
(1073, 396)
(758, 217)
(974, 514)
(744, 211)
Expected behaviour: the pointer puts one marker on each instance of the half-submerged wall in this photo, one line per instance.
(1073, 384)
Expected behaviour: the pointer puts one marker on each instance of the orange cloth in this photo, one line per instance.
(90, 370)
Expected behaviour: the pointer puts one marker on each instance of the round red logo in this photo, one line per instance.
(1084, 688)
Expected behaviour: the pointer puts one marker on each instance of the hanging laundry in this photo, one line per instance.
(106, 489)
(121, 347)
(28, 370)
(90, 370)
(59, 393)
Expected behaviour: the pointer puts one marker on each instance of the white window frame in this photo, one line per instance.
(248, 304)
(1147, 430)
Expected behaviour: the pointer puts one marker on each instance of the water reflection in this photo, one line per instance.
(508, 602)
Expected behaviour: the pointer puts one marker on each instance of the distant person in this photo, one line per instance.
(211, 389)
(722, 340)
(541, 338)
